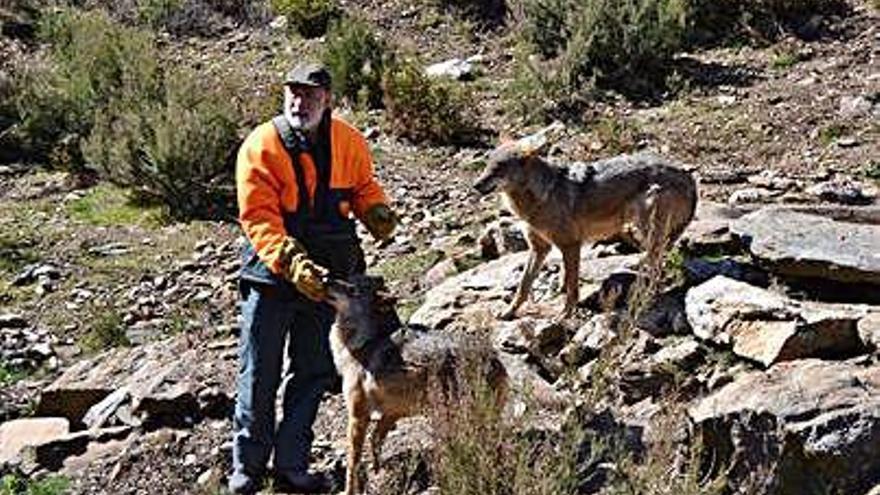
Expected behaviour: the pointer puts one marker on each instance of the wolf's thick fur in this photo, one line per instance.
(642, 198)
(389, 370)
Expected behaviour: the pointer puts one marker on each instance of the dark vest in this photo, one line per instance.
(329, 237)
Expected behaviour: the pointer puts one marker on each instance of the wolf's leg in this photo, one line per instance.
(383, 426)
(571, 260)
(358, 420)
(538, 249)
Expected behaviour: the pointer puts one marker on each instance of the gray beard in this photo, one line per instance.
(297, 123)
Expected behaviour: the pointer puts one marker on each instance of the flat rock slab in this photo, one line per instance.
(804, 245)
(480, 291)
(828, 413)
(767, 327)
(20, 433)
(160, 381)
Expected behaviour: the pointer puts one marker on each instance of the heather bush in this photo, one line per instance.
(756, 21)
(89, 60)
(104, 98)
(356, 59)
(177, 149)
(424, 109)
(574, 45)
(310, 18)
(486, 12)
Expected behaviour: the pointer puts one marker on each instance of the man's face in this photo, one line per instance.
(305, 105)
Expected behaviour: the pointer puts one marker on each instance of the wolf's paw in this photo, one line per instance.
(507, 315)
(563, 315)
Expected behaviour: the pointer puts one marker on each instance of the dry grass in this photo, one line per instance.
(480, 451)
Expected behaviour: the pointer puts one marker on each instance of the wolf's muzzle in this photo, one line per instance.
(485, 185)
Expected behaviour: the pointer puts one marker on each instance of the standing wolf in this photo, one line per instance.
(390, 371)
(641, 197)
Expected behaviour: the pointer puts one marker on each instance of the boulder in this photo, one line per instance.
(501, 237)
(843, 191)
(12, 320)
(590, 338)
(51, 454)
(869, 330)
(803, 245)
(471, 297)
(456, 69)
(767, 327)
(17, 434)
(821, 417)
(160, 382)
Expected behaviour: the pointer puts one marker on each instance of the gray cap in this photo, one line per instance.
(308, 74)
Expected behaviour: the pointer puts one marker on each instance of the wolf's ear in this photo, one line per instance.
(535, 143)
(531, 145)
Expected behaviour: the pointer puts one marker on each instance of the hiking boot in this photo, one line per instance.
(303, 482)
(241, 483)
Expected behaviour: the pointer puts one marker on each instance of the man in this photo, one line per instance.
(300, 179)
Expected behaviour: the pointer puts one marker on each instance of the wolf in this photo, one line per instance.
(642, 198)
(391, 371)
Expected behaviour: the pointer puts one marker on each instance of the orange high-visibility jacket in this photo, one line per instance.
(267, 190)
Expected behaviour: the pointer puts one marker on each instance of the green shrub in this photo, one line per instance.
(725, 21)
(424, 109)
(356, 58)
(155, 13)
(51, 485)
(546, 25)
(90, 60)
(491, 12)
(310, 18)
(576, 44)
(872, 170)
(9, 375)
(169, 133)
(176, 149)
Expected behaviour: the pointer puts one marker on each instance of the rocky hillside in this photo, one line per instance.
(753, 367)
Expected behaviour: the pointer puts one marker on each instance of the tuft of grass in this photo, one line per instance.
(616, 136)
(106, 332)
(831, 133)
(406, 307)
(15, 253)
(480, 451)
(16, 485)
(784, 59)
(408, 265)
(872, 170)
(110, 206)
(9, 375)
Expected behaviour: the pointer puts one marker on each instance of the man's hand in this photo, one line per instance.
(380, 221)
(302, 272)
(308, 277)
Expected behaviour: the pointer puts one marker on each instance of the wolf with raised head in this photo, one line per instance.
(390, 371)
(642, 198)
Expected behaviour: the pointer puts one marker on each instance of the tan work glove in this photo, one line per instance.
(380, 221)
(302, 272)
